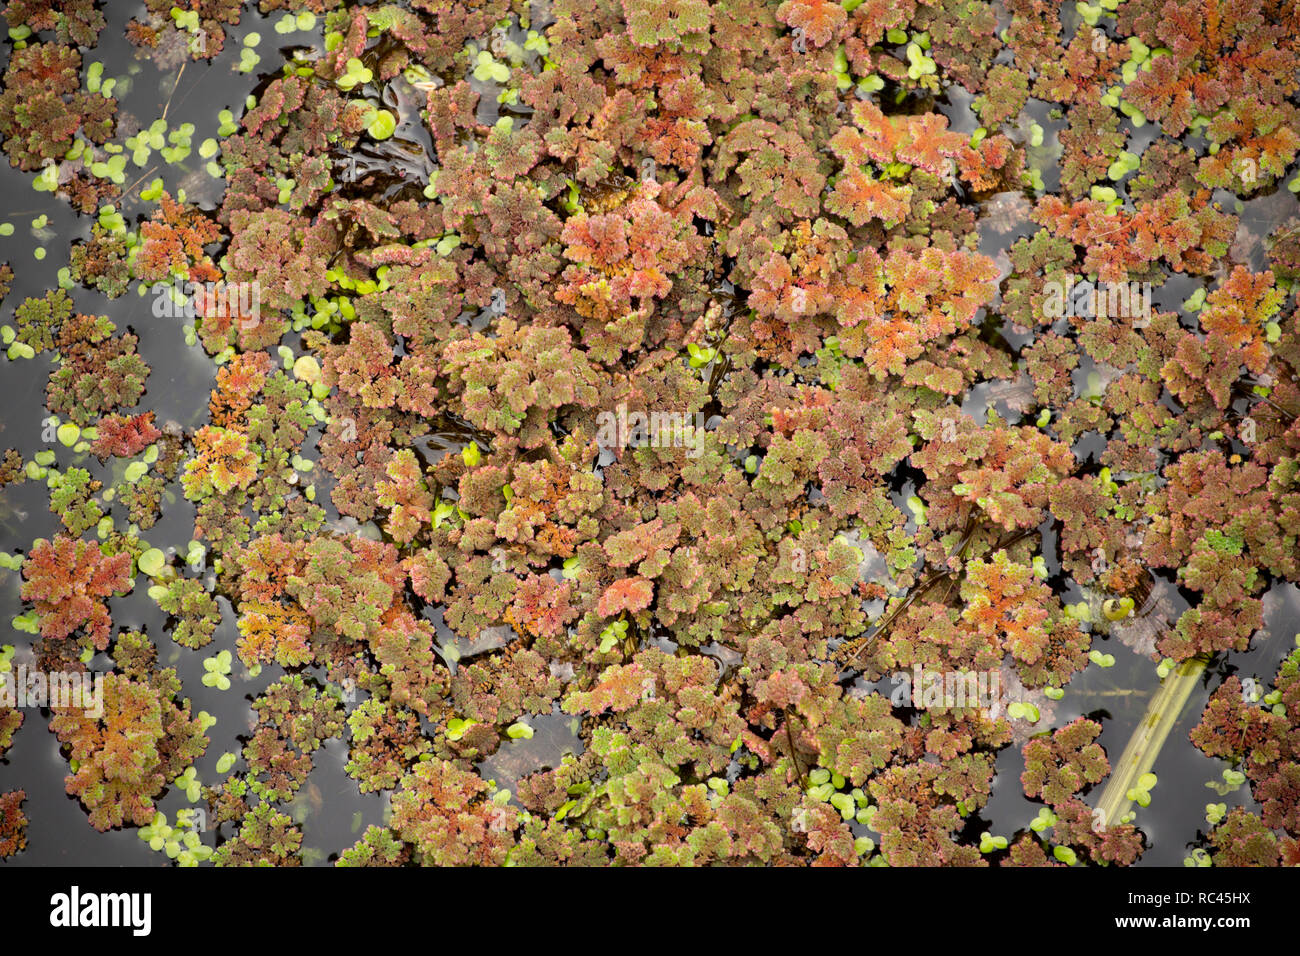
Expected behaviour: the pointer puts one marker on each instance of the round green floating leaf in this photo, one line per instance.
(306, 369)
(382, 125)
(1065, 855)
(68, 434)
(152, 562)
(844, 804)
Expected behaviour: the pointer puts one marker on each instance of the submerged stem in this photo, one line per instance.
(1150, 735)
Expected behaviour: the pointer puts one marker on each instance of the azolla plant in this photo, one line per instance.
(681, 375)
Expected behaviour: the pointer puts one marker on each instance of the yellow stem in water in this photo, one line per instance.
(1144, 746)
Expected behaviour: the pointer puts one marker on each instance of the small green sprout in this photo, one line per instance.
(182, 842)
(356, 74)
(486, 68)
(228, 126)
(1022, 710)
(1045, 820)
(189, 784)
(1080, 612)
(1141, 793)
(1065, 855)
(443, 511)
(457, 727)
(614, 632)
(1100, 659)
(917, 507)
(185, 19)
(820, 786)
(157, 832)
(843, 802)
(1232, 780)
(216, 668)
(700, 356)
(1107, 195)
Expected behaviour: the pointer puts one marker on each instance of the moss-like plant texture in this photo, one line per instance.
(687, 381)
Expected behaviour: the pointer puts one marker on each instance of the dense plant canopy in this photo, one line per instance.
(680, 374)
